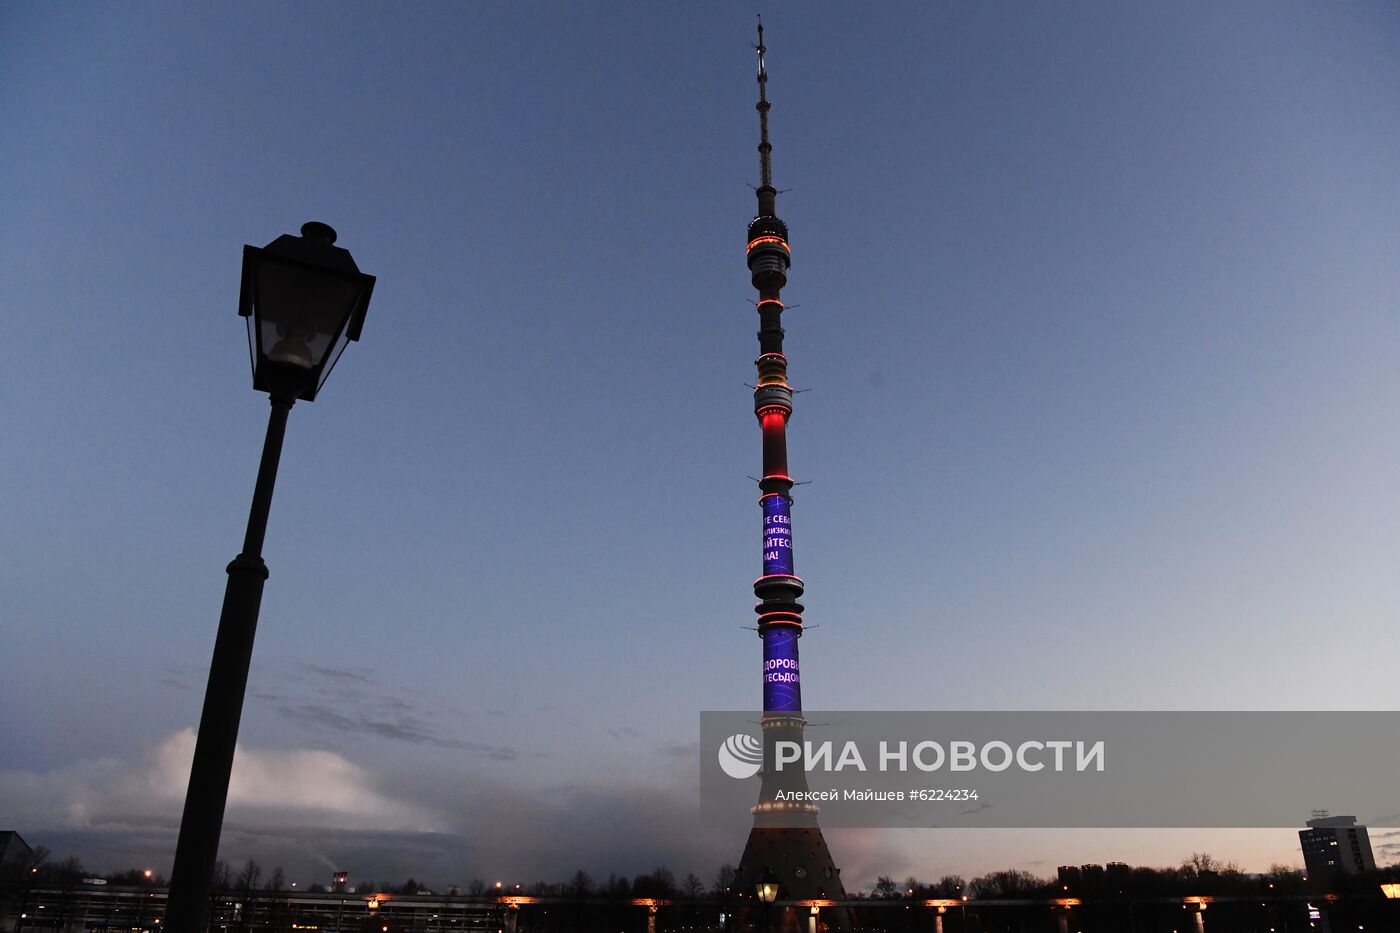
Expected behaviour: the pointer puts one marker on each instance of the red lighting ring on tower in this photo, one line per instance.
(768, 241)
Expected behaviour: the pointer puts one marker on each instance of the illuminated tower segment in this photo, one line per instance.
(785, 838)
(779, 612)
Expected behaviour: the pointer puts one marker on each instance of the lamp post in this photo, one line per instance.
(304, 299)
(767, 891)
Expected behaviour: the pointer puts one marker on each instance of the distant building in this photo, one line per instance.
(1335, 845)
(1084, 877)
(339, 880)
(13, 850)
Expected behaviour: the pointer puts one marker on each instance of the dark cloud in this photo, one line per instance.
(404, 727)
(184, 676)
(342, 674)
(680, 750)
(351, 701)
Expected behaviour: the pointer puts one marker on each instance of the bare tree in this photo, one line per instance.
(660, 883)
(619, 886)
(67, 869)
(1013, 883)
(949, 886)
(38, 858)
(692, 888)
(249, 877)
(247, 882)
(724, 879)
(1201, 862)
(580, 885)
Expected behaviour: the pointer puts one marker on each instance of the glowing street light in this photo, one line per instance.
(767, 887)
(767, 891)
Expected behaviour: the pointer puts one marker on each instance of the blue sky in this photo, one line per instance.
(1096, 307)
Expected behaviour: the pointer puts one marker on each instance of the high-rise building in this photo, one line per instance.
(785, 839)
(1336, 845)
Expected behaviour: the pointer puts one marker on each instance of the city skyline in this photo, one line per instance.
(1092, 303)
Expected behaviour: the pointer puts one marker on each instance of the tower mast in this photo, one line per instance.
(785, 838)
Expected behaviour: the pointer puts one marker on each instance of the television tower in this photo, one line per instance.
(785, 838)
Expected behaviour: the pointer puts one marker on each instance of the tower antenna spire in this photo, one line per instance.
(765, 149)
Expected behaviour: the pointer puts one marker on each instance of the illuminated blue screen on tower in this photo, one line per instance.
(782, 684)
(777, 536)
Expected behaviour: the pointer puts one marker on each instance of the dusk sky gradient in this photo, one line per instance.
(1097, 303)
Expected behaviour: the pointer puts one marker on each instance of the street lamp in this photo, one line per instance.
(304, 299)
(767, 891)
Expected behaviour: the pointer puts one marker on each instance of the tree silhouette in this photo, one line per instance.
(724, 879)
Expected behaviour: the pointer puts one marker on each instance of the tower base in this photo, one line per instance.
(802, 862)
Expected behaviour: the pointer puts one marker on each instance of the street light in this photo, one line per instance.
(767, 887)
(304, 299)
(767, 891)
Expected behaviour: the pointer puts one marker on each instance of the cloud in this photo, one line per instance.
(307, 809)
(344, 674)
(679, 750)
(351, 701)
(318, 787)
(398, 723)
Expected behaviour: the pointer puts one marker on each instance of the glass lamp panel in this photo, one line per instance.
(252, 343)
(301, 312)
(340, 344)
